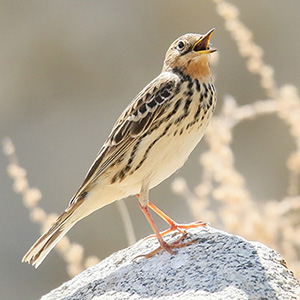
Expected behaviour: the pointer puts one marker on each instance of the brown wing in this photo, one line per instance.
(144, 110)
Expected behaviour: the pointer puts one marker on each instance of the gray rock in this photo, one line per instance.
(217, 266)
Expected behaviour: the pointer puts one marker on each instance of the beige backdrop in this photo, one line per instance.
(69, 68)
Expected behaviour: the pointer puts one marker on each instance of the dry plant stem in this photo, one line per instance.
(71, 253)
(246, 46)
(127, 222)
(270, 221)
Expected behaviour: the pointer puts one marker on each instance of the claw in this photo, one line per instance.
(168, 247)
(173, 226)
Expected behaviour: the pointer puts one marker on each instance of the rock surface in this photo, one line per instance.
(217, 266)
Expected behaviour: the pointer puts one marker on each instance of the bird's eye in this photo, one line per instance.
(180, 45)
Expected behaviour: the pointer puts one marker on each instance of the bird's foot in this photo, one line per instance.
(181, 228)
(168, 247)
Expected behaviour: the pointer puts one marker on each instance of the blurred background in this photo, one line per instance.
(69, 68)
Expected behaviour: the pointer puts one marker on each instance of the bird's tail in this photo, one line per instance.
(41, 248)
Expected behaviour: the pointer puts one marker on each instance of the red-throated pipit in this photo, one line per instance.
(152, 139)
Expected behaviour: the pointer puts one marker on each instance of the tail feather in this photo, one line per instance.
(41, 248)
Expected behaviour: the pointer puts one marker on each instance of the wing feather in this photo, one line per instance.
(144, 110)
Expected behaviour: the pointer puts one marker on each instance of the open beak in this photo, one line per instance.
(202, 45)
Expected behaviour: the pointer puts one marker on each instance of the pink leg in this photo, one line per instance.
(163, 245)
(173, 225)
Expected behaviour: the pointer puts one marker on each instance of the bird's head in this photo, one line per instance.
(190, 54)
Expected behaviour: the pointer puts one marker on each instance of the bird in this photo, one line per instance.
(150, 141)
